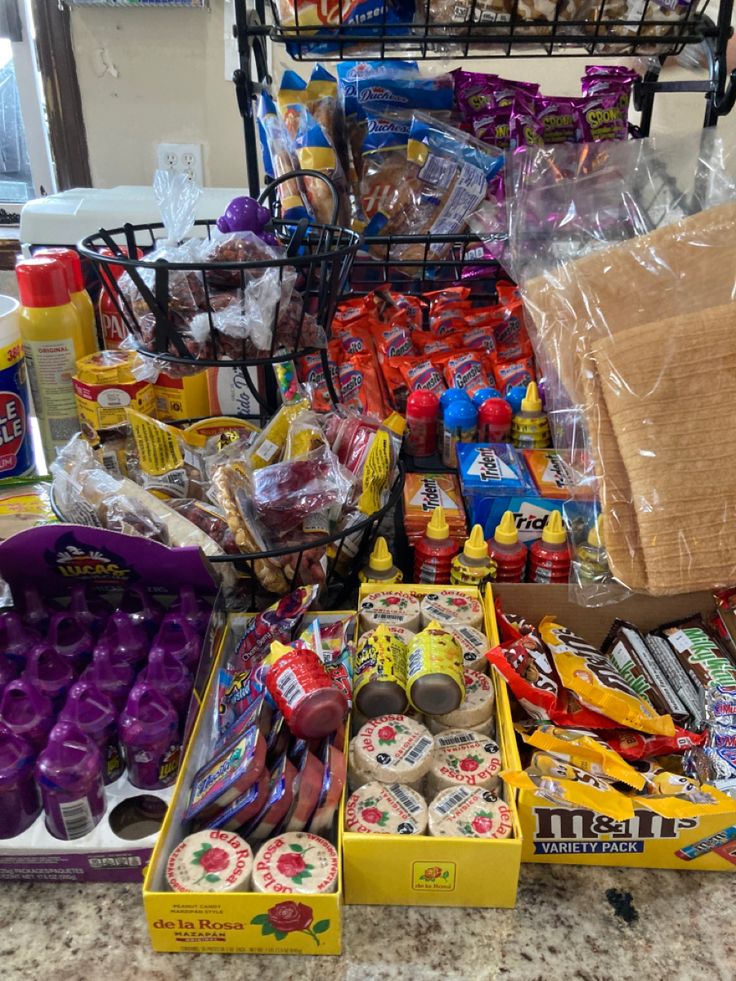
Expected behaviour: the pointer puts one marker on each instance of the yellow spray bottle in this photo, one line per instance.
(592, 559)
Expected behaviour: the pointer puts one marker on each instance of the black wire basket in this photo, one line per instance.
(479, 28)
(179, 311)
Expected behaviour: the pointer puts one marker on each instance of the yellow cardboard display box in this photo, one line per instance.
(409, 870)
(579, 836)
(236, 922)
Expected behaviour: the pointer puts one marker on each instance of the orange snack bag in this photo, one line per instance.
(465, 370)
(361, 387)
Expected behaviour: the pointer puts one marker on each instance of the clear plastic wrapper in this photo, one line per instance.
(626, 259)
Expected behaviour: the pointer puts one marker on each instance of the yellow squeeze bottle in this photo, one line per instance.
(472, 566)
(592, 558)
(53, 341)
(380, 566)
(78, 295)
(530, 426)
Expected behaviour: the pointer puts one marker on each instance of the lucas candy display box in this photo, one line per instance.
(278, 919)
(419, 869)
(496, 477)
(104, 619)
(573, 835)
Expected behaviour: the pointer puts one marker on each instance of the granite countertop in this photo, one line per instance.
(571, 922)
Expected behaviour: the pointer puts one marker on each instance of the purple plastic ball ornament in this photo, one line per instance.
(244, 214)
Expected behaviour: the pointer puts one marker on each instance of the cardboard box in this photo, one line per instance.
(53, 558)
(224, 923)
(579, 836)
(388, 869)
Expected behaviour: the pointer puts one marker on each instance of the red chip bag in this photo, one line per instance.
(311, 373)
(393, 340)
(465, 370)
(512, 339)
(355, 337)
(448, 296)
(481, 338)
(508, 293)
(640, 745)
(361, 386)
(419, 373)
(508, 374)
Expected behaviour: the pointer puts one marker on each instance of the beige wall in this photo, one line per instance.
(150, 76)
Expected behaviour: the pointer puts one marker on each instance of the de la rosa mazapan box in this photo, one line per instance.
(54, 558)
(496, 477)
(223, 923)
(580, 836)
(392, 870)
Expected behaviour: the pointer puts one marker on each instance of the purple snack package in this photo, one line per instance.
(526, 128)
(493, 126)
(560, 119)
(15, 638)
(601, 118)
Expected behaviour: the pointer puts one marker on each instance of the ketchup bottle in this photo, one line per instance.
(550, 557)
(507, 552)
(434, 552)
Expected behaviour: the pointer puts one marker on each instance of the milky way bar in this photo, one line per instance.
(688, 693)
(626, 648)
(699, 652)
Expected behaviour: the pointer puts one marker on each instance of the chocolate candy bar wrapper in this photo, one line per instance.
(726, 612)
(575, 789)
(597, 684)
(688, 693)
(675, 795)
(699, 652)
(639, 745)
(584, 750)
(627, 650)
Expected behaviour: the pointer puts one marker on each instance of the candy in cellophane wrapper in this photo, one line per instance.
(332, 644)
(584, 671)
(383, 160)
(370, 451)
(568, 785)
(584, 750)
(278, 622)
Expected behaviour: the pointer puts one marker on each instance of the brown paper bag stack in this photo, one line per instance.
(644, 338)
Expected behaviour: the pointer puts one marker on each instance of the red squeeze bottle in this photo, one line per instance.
(507, 553)
(422, 409)
(550, 557)
(434, 552)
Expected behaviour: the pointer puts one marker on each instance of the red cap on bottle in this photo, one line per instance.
(115, 270)
(72, 266)
(422, 404)
(42, 283)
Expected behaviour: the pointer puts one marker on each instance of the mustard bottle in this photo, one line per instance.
(530, 426)
(53, 341)
(592, 558)
(380, 566)
(472, 566)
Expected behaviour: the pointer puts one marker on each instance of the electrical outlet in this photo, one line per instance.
(181, 158)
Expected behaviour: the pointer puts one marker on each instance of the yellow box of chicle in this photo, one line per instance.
(580, 836)
(419, 870)
(234, 922)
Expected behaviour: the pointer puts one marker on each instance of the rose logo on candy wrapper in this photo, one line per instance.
(290, 917)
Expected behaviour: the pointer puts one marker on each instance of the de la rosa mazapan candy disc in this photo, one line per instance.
(210, 861)
(296, 862)
(466, 758)
(393, 749)
(386, 809)
(464, 812)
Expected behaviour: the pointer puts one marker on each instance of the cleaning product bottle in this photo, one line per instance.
(71, 639)
(507, 553)
(69, 258)
(50, 672)
(530, 427)
(177, 636)
(380, 566)
(550, 556)
(111, 673)
(472, 566)
(434, 552)
(149, 732)
(27, 712)
(126, 638)
(91, 610)
(591, 556)
(171, 676)
(16, 445)
(142, 608)
(94, 713)
(20, 803)
(53, 342)
(194, 609)
(69, 773)
(15, 638)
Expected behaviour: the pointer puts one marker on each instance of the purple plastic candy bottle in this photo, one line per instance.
(171, 677)
(176, 636)
(51, 673)
(149, 732)
(72, 639)
(69, 773)
(127, 639)
(93, 711)
(20, 803)
(27, 712)
(34, 610)
(111, 674)
(15, 638)
(89, 608)
(142, 608)
(193, 609)
(9, 670)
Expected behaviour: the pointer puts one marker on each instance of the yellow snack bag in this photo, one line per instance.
(597, 684)
(573, 790)
(268, 447)
(674, 795)
(584, 750)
